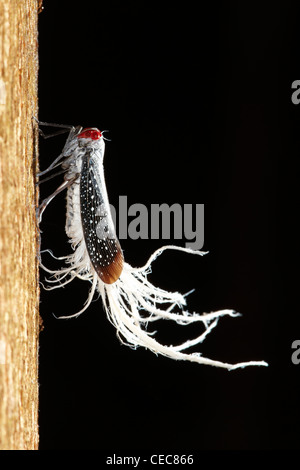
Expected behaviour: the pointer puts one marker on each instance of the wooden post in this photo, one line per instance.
(19, 318)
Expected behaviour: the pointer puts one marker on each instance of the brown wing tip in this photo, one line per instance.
(111, 273)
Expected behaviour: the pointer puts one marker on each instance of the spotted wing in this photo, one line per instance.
(101, 241)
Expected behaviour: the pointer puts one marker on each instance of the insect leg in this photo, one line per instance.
(46, 201)
(52, 176)
(53, 165)
(63, 128)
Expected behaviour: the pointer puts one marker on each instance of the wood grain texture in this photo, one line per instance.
(19, 317)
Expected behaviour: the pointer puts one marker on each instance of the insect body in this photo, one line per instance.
(130, 300)
(84, 177)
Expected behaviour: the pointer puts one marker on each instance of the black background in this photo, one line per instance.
(198, 106)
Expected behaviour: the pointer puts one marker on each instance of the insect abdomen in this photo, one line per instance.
(101, 241)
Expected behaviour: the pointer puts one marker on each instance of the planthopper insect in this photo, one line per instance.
(130, 300)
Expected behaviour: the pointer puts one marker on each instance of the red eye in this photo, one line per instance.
(93, 134)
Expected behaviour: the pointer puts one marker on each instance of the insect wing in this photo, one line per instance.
(100, 237)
